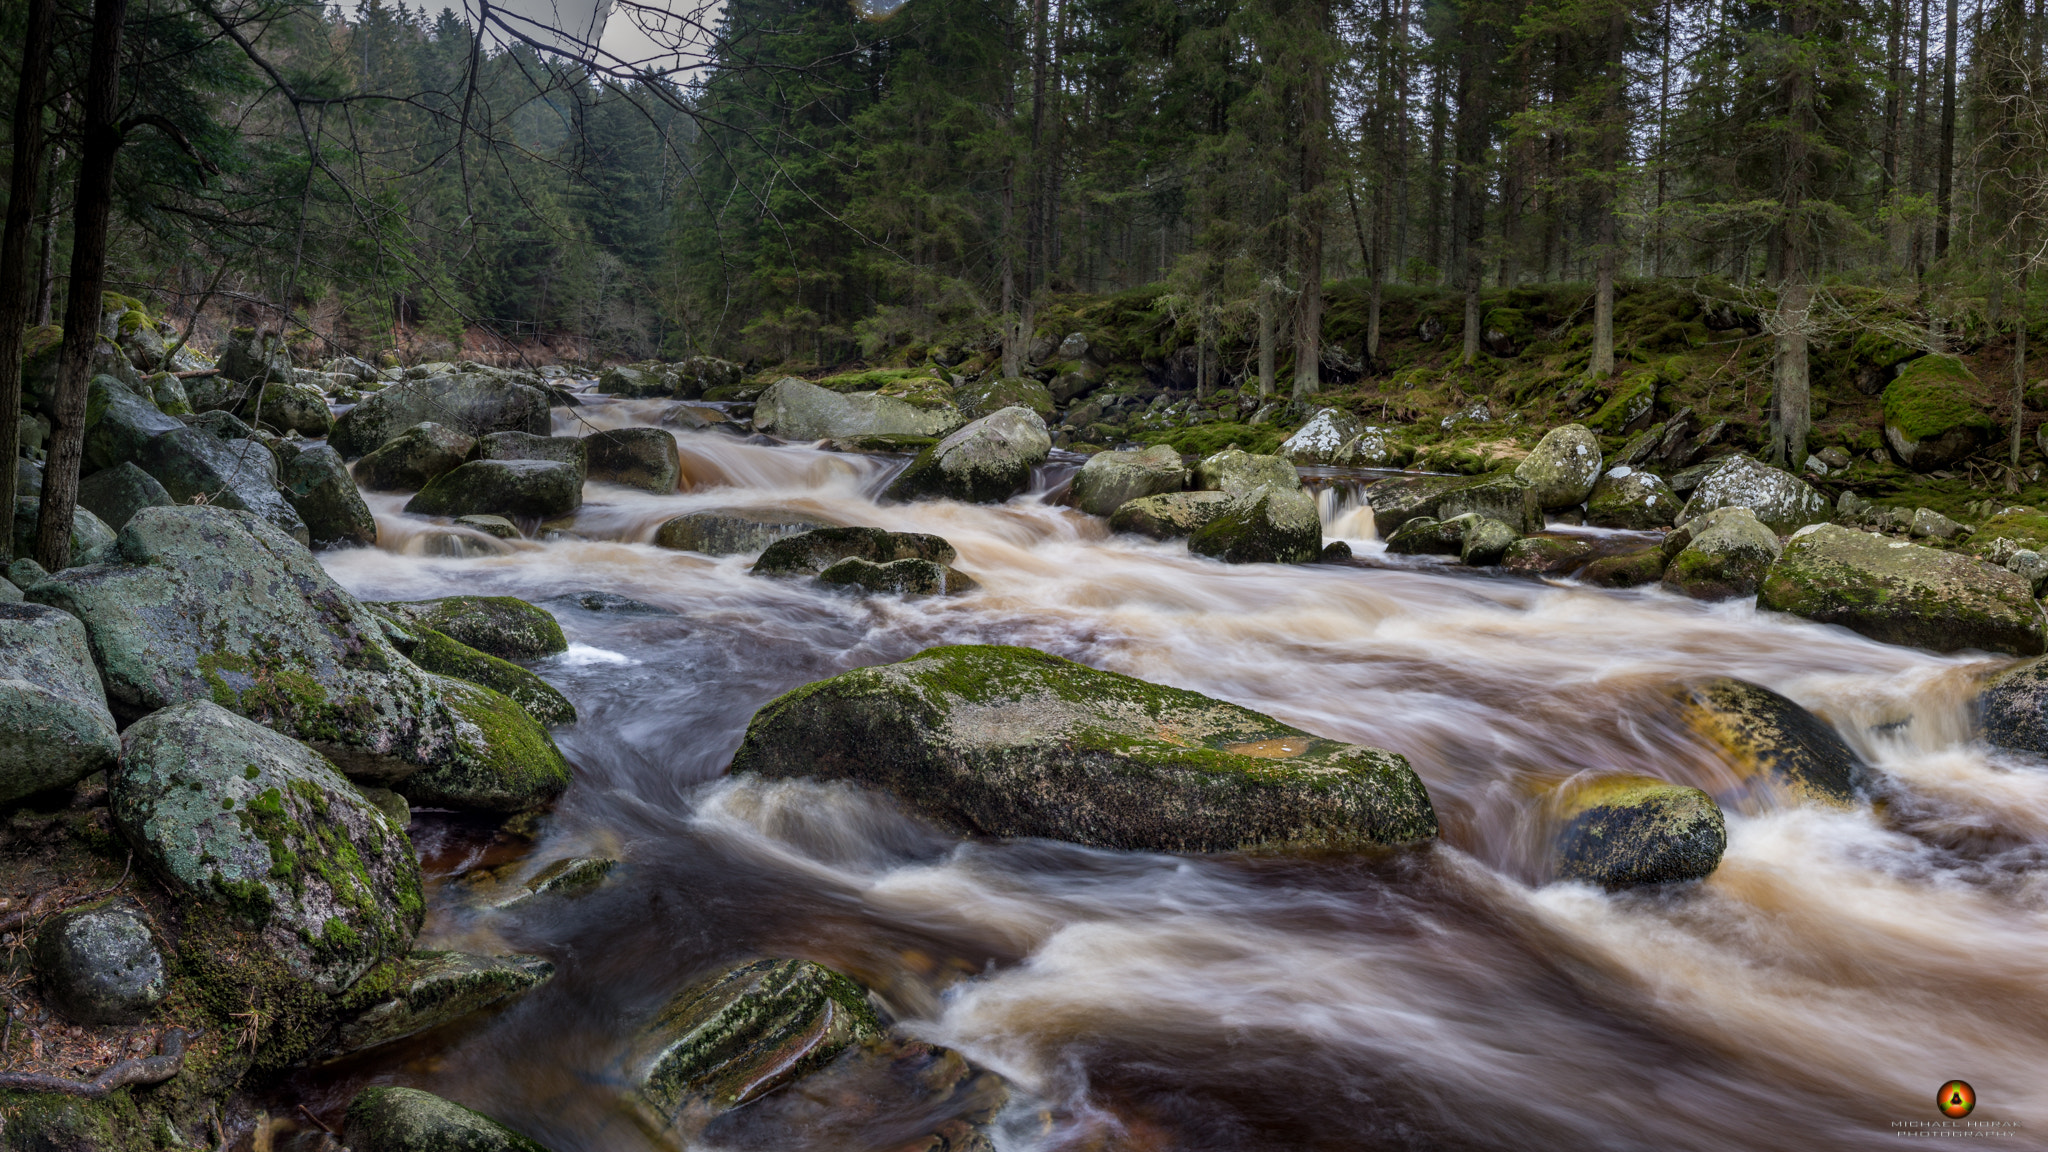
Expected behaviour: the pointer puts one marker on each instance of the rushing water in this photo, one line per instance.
(1815, 991)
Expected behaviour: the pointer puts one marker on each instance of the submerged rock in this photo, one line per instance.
(280, 839)
(1901, 593)
(1562, 467)
(537, 488)
(729, 532)
(645, 458)
(986, 462)
(1722, 554)
(101, 965)
(1782, 501)
(437, 988)
(1628, 570)
(1630, 498)
(502, 626)
(1168, 515)
(409, 1120)
(1548, 555)
(1109, 480)
(1763, 734)
(810, 553)
(794, 409)
(474, 404)
(1267, 525)
(561, 878)
(1001, 741)
(55, 728)
(409, 460)
(1626, 831)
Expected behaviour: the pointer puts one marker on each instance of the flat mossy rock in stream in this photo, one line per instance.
(1562, 467)
(881, 1085)
(561, 878)
(319, 488)
(1109, 480)
(542, 489)
(1003, 741)
(1901, 593)
(731, 532)
(473, 403)
(1929, 420)
(227, 812)
(407, 461)
(1169, 515)
(645, 458)
(569, 450)
(795, 409)
(502, 626)
(1549, 555)
(809, 553)
(1631, 498)
(907, 577)
(1720, 555)
(1268, 525)
(1399, 499)
(1503, 497)
(193, 464)
(743, 1033)
(1239, 473)
(408, 1120)
(986, 462)
(117, 493)
(436, 988)
(1628, 831)
(55, 728)
(1782, 501)
(1764, 735)
(1628, 570)
(436, 653)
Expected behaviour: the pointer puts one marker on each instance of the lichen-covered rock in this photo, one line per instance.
(798, 410)
(436, 653)
(536, 488)
(1319, 440)
(1001, 741)
(471, 403)
(228, 812)
(1721, 554)
(995, 393)
(117, 493)
(743, 1033)
(1929, 524)
(503, 760)
(987, 461)
(906, 577)
(194, 466)
(502, 626)
(437, 988)
(729, 532)
(1627, 831)
(637, 382)
(635, 457)
(1238, 473)
(1784, 502)
(291, 408)
(1628, 497)
(101, 965)
(1562, 467)
(1902, 593)
(1109, 480)
(319, 488)
(809, 553)
(1399, 499)
(407, 461)
(1373, 447)
(1628, 570)
(409, 1120)
(569, 450)
(1505, 498)
(1482, 540)
(54, 724)
(1765, 736)
(1427, 536)
(1929, 420)
(118, 423)
(1548, 555)
(1267, 525)
(1168, 515)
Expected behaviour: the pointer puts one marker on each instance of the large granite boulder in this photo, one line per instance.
(291, 408)
(1506, 498)
(1319, 440)
(319, 488)
(1001, 741)
(907, 577)
(1109, 480)
(1903, 593)
(54, 724)
(438, 653)
(1169, 515)
(635, 457)
(1268, 525)
(728, 532)
(228, 812)
(1630, 497)
(89, 534)
(469, 402)
(798, 410)
(407, 461)
(502, 626)
(1237, 472)
(526, 446)
(386, 1119)
(250, 356)
(1562, 467)
(1399, 499)
(810, 553)
(1782, 501)
(995, 393)
(1722, 554)
(1628, 831)
(1768, 739)
(985, 462)
(540, 489)
(194, 466)
(1930, 420)
(119, 423)
(117, 493)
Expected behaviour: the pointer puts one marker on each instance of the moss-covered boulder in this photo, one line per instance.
(1629, 406)
(1626, 570)
(1901, 593)
(117, 493)
(1482, 541)
(55, 727)
(1503, 497)
(1722, 554)
(1399, 499)
(1001, 741)
(1238, 473)
(317, 485)
(439, 654)
(436, 988)
(1548, 555)
(906, 577)
(386, 1119)
(1562, 467)
(794, 409)
(196, 466)
(809, 553)
(1764, 736)
(1268, 525)
(741, 1034)
(1371, 448)
(995, 393)
(250, 356)
(1629, 497)
(1168, 515)
(729, 532)
(471, 403)
(502, 759)
(1427, 536)
(569, 450)
(565, 877)
(986, 462)
(227, 812)
(542, 489)
(119, 423)
(1109, 480)
(407, 461)
(290, 408)
(1319, 440)
(1930, 418)
(1628, 831)
(502, 626)
(101, 965)
(1782, 501)
(645, 458)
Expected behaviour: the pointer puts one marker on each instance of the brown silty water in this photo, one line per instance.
(1835, 969)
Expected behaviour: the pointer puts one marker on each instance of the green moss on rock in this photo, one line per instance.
(1902, 593)
(437, 653)
(1763, 735)
(1627, 831)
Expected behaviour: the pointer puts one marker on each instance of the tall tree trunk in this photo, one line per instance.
(1663, 134)
(1310, 197)
(1791, 397)
(1012, 326)
(46, 277)
(15, 287)
(1916, 151)
(1268, 307)
(1368, 255)
(2019, 376)
(1945, 159)
(1601, 364)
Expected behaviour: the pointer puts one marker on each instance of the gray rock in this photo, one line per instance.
(1628, 831)
(437, 988)
(1238, 472)
(1371, 448)
(1169, 515)
(322, 492)
(407, 461)
(1427, 536)
(1901, 593)
(409, 1120)
(250, 356)
(118, 424)
(1563, 467)
(502, 626)
(235, 474)
(169, 393)
(810, 553)
(1629, 497)
(1784, 502)
(89, 535)
(1722, 554)
(1001, 741)
(471, 403)
(1927, 523)
(906, 577)
(25, 573)
(1110, 479)
(494, 526)
(794, 409)
(1399, 499)
(1319, 440)
(117, 493)
(280, 839)
(732, 532)
(1764, 736)
(54, 724)
(1074, 347)
(1505, 498)
(1483, 541)
(994, 393)
(101, 965)
(986, 462)
(2030, 566)
(525, 446)
(534, 488)
(291, 408)
(1548, 555)
(1268, 525)
(635, 457)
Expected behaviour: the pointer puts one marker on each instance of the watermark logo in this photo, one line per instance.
(1956, 1099)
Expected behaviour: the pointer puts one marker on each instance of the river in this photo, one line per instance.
(1811, 994)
